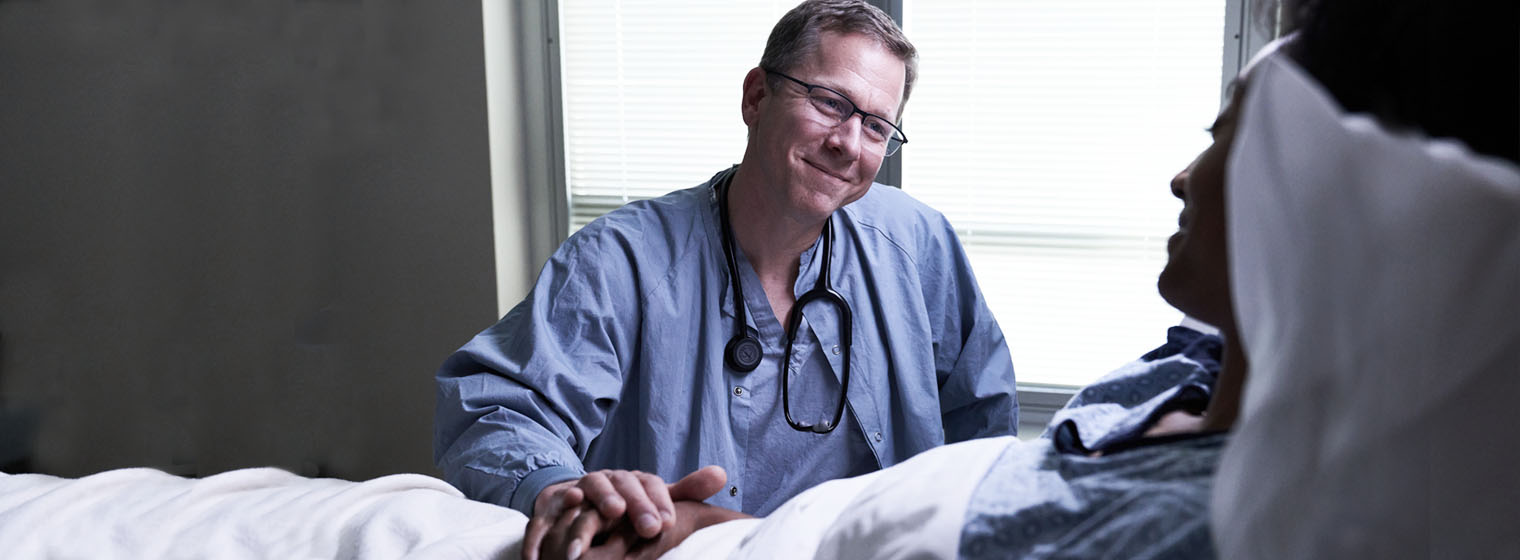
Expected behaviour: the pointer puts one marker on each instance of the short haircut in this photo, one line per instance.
(795, 37)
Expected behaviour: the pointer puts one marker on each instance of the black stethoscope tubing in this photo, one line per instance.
(743, 352)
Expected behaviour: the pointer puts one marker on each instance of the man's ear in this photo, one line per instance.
(755, 92)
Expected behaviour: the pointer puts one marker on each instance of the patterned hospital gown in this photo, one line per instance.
(1139, 499)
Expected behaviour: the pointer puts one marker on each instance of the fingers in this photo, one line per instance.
(659, 494)
(643, 492)
(568, 499)
(581, 531)
(551, 503)
(699, 485)
(559, 542)
(617, 546)
(602, 493)
(568, 516)
(532, 536)
(642, 497)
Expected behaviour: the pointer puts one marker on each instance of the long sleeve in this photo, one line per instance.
(518, 406)
(615, 360)
(978, 396)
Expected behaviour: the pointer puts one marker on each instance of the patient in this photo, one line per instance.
(1369, 427)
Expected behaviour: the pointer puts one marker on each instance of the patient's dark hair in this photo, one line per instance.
(1450, 68)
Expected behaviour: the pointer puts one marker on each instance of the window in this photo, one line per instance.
(651, 94)
(1046, 130)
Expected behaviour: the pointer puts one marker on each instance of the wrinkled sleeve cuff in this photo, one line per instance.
(537, 481)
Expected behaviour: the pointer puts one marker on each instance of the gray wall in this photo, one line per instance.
(236, 233)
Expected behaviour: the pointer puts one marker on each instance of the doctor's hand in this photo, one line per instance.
(691, 515)
(610, 494)
(568, 515)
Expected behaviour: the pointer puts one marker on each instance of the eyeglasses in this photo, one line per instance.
(886, 137)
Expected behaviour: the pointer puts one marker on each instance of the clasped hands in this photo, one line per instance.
(621, 514)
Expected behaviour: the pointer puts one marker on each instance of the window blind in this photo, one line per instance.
(651, 94)
(1048, 132)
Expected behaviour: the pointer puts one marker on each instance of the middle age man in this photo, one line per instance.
(654, 339)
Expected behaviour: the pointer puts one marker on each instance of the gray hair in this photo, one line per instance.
(795, 37)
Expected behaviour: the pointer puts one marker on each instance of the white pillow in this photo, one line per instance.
(1376, 278)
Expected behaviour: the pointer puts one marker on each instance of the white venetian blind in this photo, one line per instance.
(651, 94)
(1048, 131)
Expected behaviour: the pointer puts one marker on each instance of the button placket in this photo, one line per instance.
(823, 332)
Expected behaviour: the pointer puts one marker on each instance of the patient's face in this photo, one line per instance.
(1196, 279)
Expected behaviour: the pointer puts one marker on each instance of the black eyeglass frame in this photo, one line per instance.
(854, 110)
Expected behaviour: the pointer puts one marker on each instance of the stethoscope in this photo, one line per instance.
(743, 352)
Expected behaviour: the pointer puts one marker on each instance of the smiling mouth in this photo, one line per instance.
(827, 172)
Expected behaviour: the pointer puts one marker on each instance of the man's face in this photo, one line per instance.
(814, 166)
(1196, 279)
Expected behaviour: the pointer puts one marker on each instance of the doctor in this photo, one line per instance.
(787, 320)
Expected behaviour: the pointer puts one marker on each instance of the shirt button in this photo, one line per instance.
(733, 491)
(836, 349)
(877, 435)
(738, 391)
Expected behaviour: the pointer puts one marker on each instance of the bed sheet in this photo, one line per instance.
(251, 513)
(913, 510)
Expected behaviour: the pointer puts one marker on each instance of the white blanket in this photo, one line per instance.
(914, 510)
(252, 513)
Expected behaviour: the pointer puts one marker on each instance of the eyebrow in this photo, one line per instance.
(834, 88)
(858, 105)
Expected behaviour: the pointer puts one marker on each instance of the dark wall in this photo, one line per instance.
(237, 234)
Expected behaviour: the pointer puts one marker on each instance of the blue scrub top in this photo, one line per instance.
(615, 359)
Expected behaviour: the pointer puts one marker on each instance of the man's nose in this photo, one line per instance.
(845, 136)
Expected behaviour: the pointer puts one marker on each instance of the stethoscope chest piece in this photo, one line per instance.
(743, 352)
